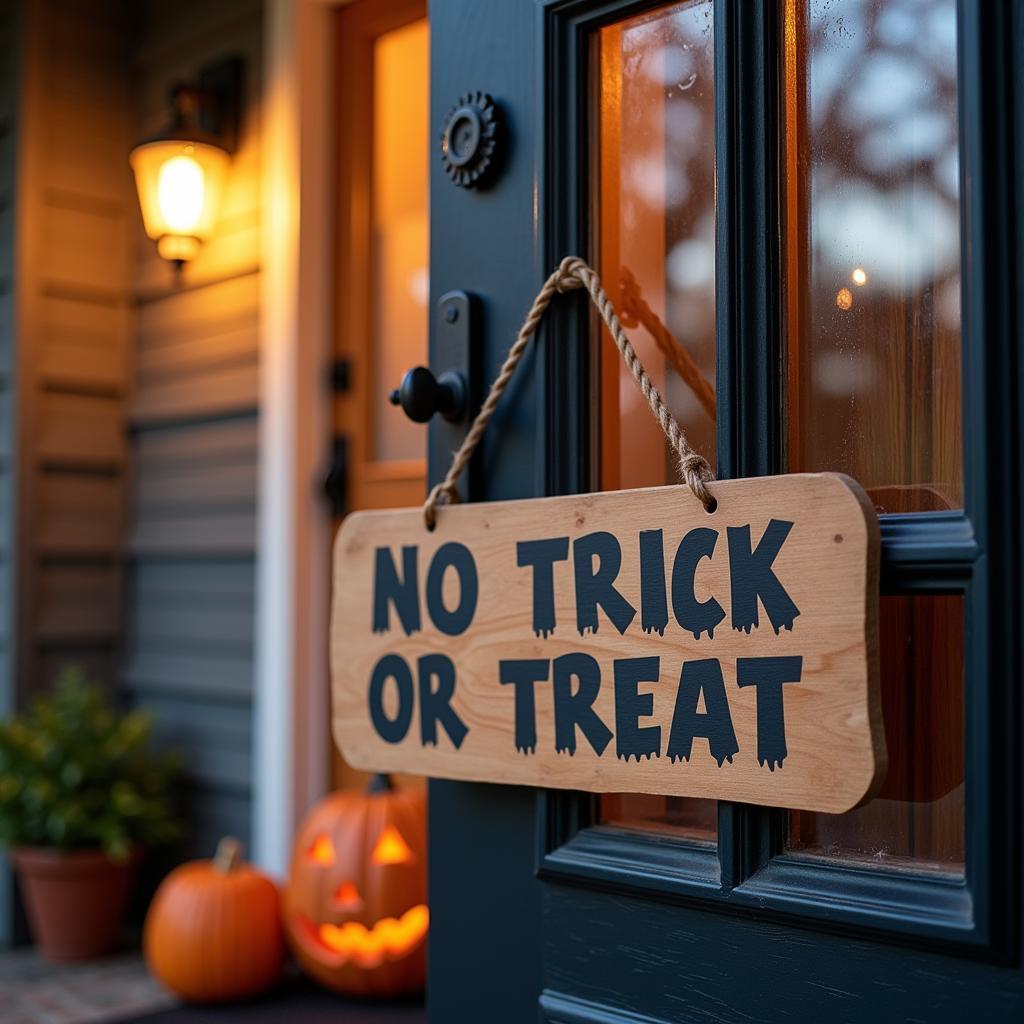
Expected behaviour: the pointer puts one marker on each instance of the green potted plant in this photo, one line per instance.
(81, 794)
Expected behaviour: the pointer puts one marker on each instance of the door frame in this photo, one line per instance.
(748, 872)
(604, 909)
(291, 695)
(291, 747)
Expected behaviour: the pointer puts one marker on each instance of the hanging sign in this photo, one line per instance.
(626, 641)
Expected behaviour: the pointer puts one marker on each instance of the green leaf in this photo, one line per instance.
(76, 772)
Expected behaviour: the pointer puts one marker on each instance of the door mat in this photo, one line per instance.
(296, 1003)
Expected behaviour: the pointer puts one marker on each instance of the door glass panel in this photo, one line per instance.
(874, 247)
(653, 165)
(917, 819)
(873, 295)
(400, 232)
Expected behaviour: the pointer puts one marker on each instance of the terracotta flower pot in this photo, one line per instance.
(75, 899)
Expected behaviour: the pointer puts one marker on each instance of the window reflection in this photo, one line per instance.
(873, 292)
(874, 247)
(654, 170)
(401, 285)
(917, 819)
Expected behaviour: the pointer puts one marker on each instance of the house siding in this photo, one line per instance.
(9, 29)
(74, 315)
(190, 539)
(132, 434)
(65, 316)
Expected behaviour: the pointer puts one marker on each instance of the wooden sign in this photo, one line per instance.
(626, 641)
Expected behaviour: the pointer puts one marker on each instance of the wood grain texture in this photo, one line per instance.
(828, 565)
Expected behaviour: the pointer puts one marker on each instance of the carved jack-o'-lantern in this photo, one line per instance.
(355, 909)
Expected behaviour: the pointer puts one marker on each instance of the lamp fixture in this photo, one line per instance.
(180, 172)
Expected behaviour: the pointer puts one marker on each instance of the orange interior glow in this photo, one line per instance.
(347, 897)
(322, 850)
(389, 938)
(391, 848)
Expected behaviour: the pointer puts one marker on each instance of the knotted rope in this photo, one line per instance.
(635, 313)
(573, 273)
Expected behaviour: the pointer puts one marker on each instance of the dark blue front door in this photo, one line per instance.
(817, 201)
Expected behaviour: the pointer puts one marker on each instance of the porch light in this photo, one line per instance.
(180, 172)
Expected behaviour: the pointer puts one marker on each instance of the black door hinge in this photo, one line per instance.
(336, 480)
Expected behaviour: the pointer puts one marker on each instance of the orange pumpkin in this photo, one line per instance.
(356, 904)
(213, 931)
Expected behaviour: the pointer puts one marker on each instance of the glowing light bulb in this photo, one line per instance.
(180, 192)
(844, 298)
(859, 276)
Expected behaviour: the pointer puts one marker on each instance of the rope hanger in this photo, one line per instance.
(573, 273)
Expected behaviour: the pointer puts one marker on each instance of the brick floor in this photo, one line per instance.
(33, 991)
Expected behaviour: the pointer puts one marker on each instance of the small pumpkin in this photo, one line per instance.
(213, 931)
(355, 909)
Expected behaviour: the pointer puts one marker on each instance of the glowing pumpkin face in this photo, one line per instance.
(355, 908)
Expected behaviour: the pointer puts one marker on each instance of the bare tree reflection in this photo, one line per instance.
(879, 260)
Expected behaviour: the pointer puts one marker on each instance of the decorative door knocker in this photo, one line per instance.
(472, 139)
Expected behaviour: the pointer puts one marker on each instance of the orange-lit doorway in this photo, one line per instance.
(382, 309)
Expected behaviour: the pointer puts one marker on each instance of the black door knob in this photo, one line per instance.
(421, 394)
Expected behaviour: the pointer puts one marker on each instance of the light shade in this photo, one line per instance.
(180, 184)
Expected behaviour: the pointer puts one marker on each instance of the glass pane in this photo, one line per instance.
(400, 229)
(655, 205)
(669, 815)
(874, 247)
(654, 171)
(917, 820)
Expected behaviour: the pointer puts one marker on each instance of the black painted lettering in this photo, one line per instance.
(574, 710)
(692, 615)
(458, 557)
(653, 602)
(402, 593)
(436, 701)
(391, 730)
(752, 577)
(541, 555)
(522, 673)
(596, 587)
(631, 738)
(715, 725)
(769, 675)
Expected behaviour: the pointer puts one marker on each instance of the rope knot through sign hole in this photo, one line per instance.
(574, 273)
